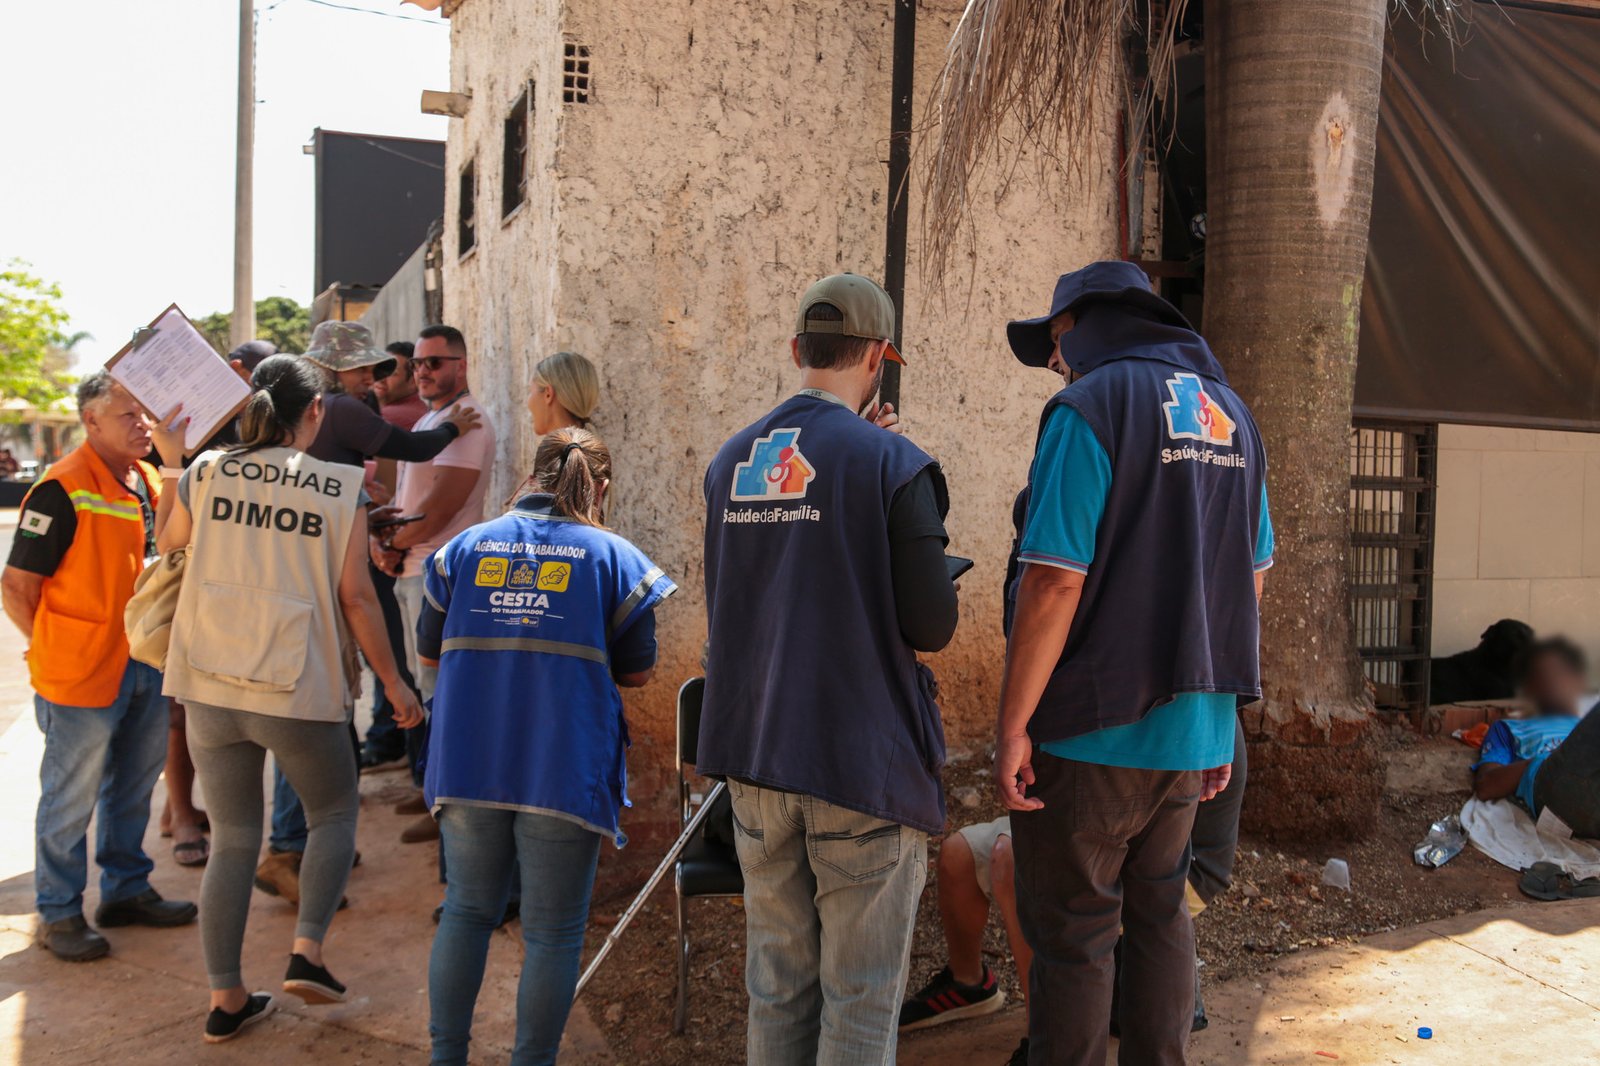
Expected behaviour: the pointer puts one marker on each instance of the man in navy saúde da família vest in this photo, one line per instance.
(1135, 636)
(825, 575)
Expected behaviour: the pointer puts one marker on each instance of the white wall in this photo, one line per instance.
(1518, 535)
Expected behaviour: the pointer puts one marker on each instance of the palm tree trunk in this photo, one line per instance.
(1291, 126)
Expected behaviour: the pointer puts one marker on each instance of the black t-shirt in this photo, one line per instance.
(44, 531)
(350, 431)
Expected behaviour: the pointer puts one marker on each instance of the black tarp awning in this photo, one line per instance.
(1482, 295)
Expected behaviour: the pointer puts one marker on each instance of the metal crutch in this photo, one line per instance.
(650, 886)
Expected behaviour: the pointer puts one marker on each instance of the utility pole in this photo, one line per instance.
(243, 326)
(898, 208)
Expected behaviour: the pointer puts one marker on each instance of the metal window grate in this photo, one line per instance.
(1392, 493)
(575, 74)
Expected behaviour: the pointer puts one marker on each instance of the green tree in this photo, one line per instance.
(278, 319)
(33, 344)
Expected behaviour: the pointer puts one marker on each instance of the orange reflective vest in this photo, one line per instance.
(79, 650)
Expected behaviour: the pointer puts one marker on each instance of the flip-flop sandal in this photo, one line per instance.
(204, 825)
(192, 853)
(1548, 882)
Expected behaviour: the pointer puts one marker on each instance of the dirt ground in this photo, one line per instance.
(1278, 905)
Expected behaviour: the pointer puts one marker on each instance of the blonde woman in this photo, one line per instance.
(565, 392)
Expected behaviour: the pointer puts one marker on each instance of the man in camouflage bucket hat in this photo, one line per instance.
(343, 348)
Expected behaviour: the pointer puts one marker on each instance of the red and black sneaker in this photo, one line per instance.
(944, 999)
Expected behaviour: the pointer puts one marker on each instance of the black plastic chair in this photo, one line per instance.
(708, 868)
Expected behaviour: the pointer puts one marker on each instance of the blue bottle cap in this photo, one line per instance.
(1424, 1033)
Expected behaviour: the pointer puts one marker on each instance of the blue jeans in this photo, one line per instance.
(288, 816)
(108, 757)
(557, 859)
(384, 737)
(830, 903)
(409, 595)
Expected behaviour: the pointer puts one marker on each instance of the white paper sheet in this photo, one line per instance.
(176, 364)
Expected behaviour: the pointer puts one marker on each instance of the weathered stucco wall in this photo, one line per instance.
(501, 293)
(731, 153)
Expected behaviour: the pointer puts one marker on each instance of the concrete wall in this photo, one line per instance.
(731, 154)
(1519, 535)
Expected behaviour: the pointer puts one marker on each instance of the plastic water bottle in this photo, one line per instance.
(1444, 842)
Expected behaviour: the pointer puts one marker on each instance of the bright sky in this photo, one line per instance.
(116, 176)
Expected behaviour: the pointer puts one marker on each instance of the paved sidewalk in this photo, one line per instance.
(147, 1003)
(1515, 984)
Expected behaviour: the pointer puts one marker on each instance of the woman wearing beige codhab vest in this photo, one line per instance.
(275, 589)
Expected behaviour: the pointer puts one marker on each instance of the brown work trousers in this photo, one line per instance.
(1109, 852)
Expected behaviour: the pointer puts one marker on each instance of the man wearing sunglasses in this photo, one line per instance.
(448, 492)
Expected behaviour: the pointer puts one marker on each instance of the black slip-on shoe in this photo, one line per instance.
(222, 1026)
(147, 908)
(71, 940)
(311, 982)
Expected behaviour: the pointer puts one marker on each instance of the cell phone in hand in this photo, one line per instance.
(397, 521)
(957, 566)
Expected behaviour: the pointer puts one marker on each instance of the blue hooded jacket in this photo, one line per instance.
(1169, 605)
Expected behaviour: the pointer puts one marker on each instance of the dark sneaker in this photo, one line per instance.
(1019, 1057)
(147, 908)
(310, 982)
(944, 999)
(71, 940)
(372, 759)
(222, 1026)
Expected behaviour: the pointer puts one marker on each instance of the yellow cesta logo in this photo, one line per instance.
(491, 572)
(522, 575)
(553, 577)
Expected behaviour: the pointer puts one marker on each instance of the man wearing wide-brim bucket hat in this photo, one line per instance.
(1134, 639)
(352, 432)
(346, 350)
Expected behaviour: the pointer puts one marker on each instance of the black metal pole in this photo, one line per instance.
(894, 252)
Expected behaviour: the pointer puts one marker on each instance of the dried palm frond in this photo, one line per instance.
(1034, 66)
(1031, 65)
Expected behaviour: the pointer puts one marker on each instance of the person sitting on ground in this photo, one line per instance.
(526, 752)
(1514, 750)
(257, 659)
(975, 870)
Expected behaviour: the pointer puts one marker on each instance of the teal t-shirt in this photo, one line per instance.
(1071, 478)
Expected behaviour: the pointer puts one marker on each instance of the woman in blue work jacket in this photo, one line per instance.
(535, 619)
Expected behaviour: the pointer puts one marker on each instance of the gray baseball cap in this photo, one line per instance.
(868, 311)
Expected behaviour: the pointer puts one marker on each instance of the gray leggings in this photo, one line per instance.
(229, 749)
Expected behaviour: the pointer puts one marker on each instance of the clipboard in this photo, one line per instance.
(183, 368)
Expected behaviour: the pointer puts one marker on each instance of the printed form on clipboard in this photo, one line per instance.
(170, 362)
